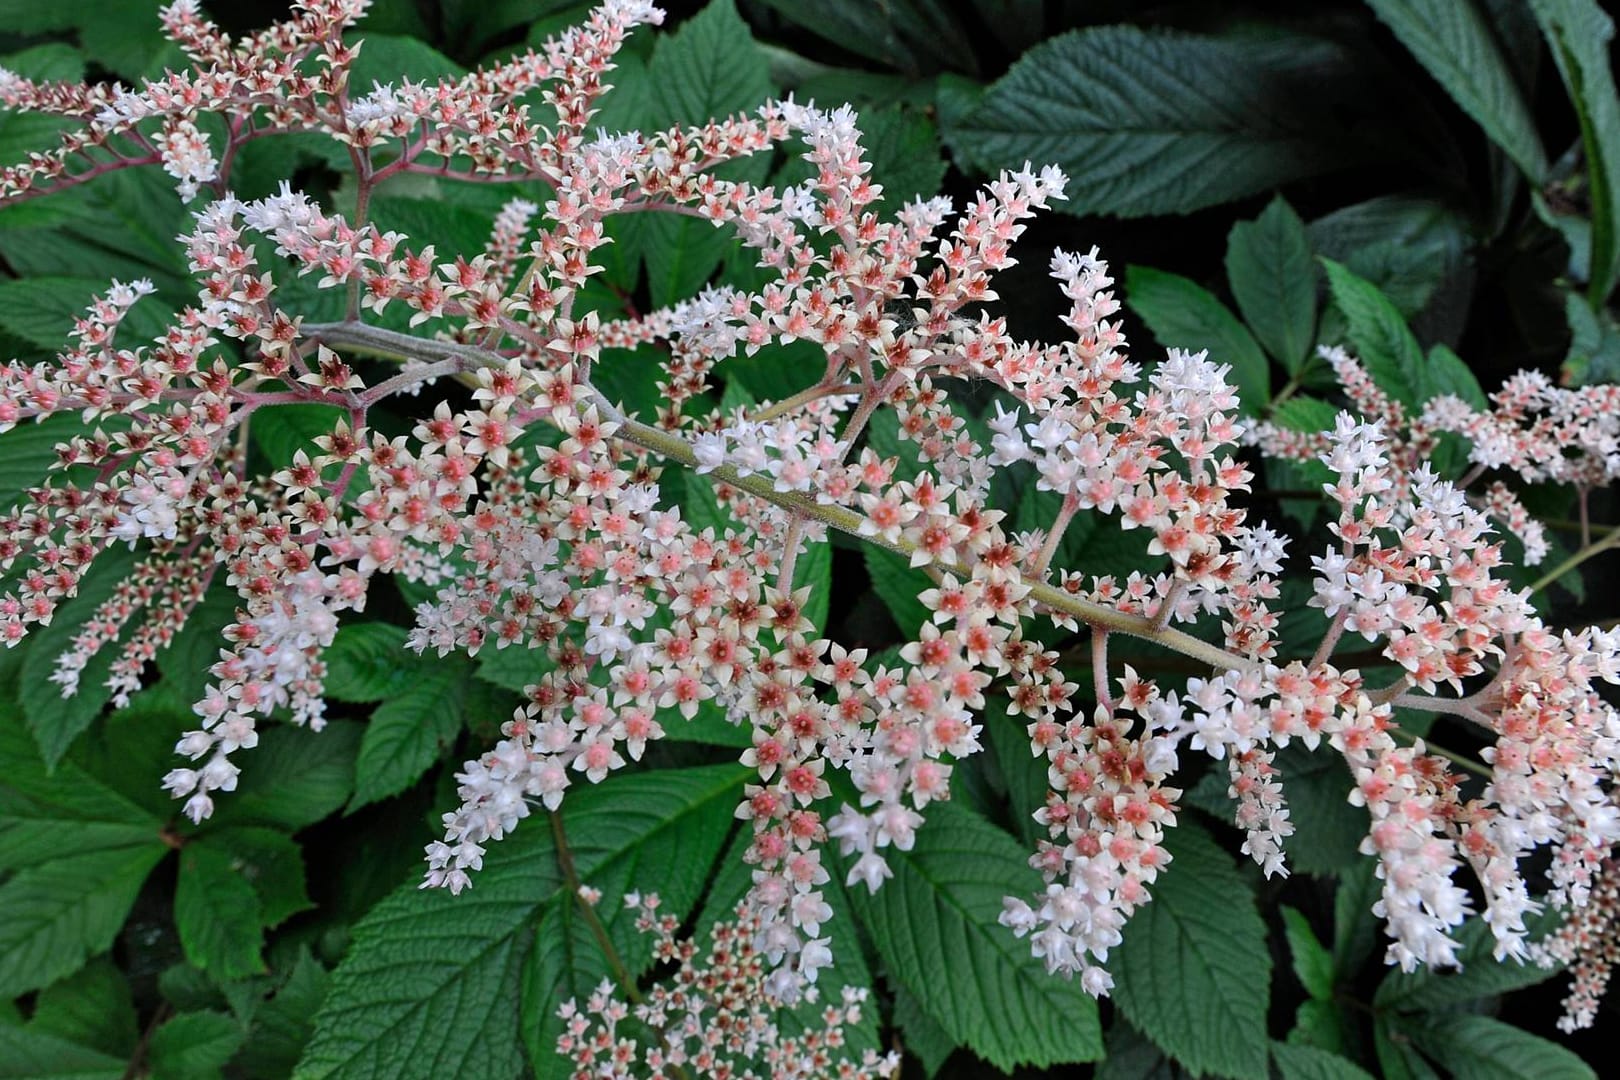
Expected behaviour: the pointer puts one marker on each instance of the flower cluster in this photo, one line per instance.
(532, 505)
(712, 1017)
(1574, 419)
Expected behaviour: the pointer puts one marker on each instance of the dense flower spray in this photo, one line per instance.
(568, 545)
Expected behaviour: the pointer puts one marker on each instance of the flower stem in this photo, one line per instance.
(570, 873)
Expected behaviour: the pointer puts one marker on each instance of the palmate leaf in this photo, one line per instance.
(1454, 44)
(935, 924)
(431, 985)
(1193, 973)
(1159, 123)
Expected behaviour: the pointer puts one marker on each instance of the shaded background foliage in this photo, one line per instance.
(1455, 161)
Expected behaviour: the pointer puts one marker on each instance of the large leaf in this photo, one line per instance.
(1313, 964)
(93, 1008)
(898, 585)
(913, 36)
(1579, 33)
(1193, 972)
(935, 926)
(1184, 315)
(1158, 123)
(24, 133)
(1483, 1048)
(194, 1045)
(431, 985)
(369, 662)
(1273, 279)
(1455, 45)
(47, 815)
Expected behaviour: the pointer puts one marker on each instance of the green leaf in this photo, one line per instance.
(1579, 32)
(297, 777)
(1482, 1048)
(369, 662)
(1398, 1058)
(30, 450)
(29, 1054)
(409, 732)
(193, 1046)
(1313, 964)
(41, 311)
(1355, 930)
(1296, 1062)
(903, 148)
(1093, 543)
(1454, 44)
(430, 986)
(1193, 972)
(1160, 122)
(473, 23)
(1132, 1057)
(57, 914)
(92, 1008)
(1025, 774)
(1378, 330)
(1320, 1024)
(1273, 279)
(1184, 315)
(1328, 830)
(217, 912)
(935, 924)
(196, 647)
(1447, 373)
